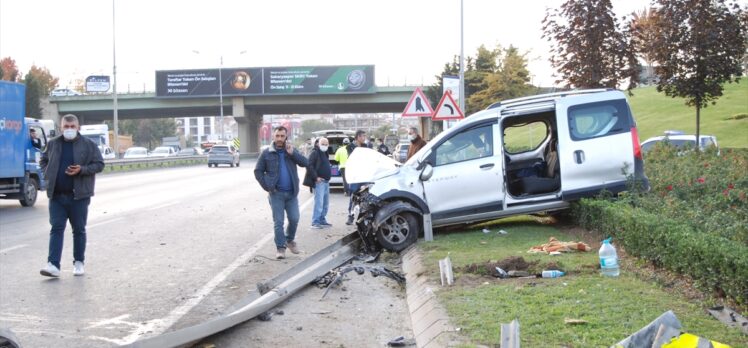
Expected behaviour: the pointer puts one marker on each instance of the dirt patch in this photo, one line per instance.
(511, 263)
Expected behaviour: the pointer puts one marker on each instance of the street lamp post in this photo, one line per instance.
(222, 133)
(220, 98)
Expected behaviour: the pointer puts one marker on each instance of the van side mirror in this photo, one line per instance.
(427, 172)
(52, 133)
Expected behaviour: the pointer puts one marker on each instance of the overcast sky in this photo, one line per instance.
(408, 41)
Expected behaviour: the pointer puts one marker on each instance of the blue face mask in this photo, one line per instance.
(69, 134)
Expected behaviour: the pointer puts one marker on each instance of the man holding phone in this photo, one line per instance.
(276, 172)
(70, 163)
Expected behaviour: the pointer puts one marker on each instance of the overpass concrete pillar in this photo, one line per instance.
(249, 125)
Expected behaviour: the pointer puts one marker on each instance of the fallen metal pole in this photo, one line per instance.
(273, 292)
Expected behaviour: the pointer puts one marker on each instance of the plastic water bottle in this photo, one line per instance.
(552, 274)
(609, 259)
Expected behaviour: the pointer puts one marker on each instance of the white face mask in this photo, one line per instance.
(411, 137)
(69, 134)
(323, 148)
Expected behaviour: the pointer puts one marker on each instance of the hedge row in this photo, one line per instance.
(715, 263)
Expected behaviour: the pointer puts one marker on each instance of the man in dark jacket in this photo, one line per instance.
(70, 164)
(276, 172)
(319, 173)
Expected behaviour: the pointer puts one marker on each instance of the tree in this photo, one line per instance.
(149, 133)
(9, 70)
(590, 50)
(643, 26)
(39, 82)
(309, 126)
(511, 80)
(698, 48)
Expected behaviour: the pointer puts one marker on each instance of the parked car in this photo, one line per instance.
(136, 152)
(223, 154)
(189, 152)
(400, 153)
(64, 92)
(163, 151)
(681, 141)
(522, 156)
(335, 138)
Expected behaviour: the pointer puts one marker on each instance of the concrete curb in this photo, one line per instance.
(428, 317)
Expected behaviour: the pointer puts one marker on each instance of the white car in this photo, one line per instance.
(136, 152)
(163, 151)
(681, 141)
(528, 155)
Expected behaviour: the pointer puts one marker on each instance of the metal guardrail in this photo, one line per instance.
(158, 162)
(151, 162)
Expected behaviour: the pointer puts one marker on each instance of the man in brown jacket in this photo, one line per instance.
(416, 142)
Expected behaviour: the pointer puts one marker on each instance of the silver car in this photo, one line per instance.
(223, 154)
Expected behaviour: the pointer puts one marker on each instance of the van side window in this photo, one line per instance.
(525, 137)
(468, 145)
(599, 119)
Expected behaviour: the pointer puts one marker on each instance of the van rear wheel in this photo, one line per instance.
(398, 232)
(30, 191)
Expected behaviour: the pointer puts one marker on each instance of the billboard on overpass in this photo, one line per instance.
(345, 79)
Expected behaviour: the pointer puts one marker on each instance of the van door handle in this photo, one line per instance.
(579, 156)
(487, 165)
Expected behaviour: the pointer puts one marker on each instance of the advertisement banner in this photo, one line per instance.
(320, 80)
(347, 79)
(97, 83)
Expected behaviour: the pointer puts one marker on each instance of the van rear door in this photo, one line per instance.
(595, 143)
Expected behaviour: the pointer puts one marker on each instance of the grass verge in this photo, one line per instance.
(613, 307)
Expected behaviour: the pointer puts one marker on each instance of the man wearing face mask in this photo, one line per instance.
(319, 172)
(70, 163)
(416, 142)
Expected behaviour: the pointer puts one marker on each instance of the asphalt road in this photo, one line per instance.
(170, 248)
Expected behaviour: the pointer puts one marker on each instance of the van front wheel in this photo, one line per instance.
(398, 232)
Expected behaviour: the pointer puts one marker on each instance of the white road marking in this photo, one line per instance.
(13, 248)
(105, 222)
(156, 327)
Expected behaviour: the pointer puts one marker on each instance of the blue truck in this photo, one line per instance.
(21, 176)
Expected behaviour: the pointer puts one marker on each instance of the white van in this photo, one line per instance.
(527, 155)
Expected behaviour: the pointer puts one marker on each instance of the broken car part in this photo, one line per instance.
(335, 277)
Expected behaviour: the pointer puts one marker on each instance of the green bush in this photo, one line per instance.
(715, 263)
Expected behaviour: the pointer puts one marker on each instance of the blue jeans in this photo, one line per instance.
(321, 202)
(352, 188)
(61, 209)
(281, 202)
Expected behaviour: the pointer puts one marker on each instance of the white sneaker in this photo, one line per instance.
(50, 270)
(78, 268)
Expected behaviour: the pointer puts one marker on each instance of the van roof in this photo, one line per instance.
(547, 96)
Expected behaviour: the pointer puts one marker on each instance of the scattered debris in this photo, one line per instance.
(510, 335)
(445, 268)
(554, 253)
(729, 317)
(335, 276)
(266, 316)
(501, 273)
(485, 230)
(665, 331)
(322, 312)
(570, 321)
(503, 232)
(552, 274)
(299, 328)
(401, 341)
(279, 312)
(556, 245)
